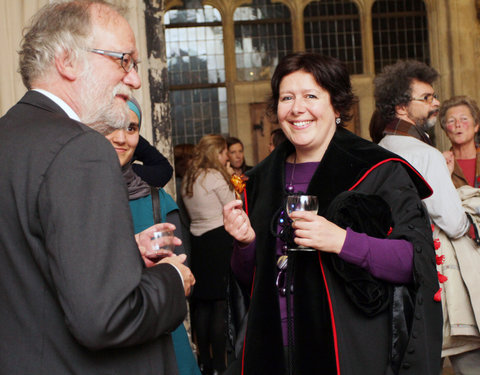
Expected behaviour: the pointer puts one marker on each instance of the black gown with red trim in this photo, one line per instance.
(331, 334)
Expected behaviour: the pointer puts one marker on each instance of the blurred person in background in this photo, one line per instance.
(236, 156)
(460, 119)
(277, 136)
(182, 155)
(206, 188)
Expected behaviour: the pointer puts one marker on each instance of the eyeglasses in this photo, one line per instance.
(428, 98)
(463, 120)
(126, 60)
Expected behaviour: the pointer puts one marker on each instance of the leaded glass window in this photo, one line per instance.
(332, 28)
(196, 72)
(263, 35)
(400, 31)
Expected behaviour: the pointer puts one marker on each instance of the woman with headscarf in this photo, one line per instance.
(140, 193)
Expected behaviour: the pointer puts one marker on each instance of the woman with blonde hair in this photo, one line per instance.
(206, 188)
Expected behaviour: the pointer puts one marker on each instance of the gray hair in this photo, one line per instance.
(56, 28)
(455, 102)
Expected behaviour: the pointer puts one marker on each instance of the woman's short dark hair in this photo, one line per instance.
(329, 73)
(393, 85)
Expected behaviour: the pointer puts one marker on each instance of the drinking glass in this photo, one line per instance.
(162, 245)
(302, 203)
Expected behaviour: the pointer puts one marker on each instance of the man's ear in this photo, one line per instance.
(67, 66)
(401, 110)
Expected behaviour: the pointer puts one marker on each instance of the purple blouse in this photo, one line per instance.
(387, 259)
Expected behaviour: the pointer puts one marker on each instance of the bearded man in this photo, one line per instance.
(408, 107)
(76, 295)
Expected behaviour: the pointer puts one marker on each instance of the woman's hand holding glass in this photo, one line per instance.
(316, 232)
(237, 223)
(155, 247)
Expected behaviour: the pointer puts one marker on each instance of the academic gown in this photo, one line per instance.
(332, 336)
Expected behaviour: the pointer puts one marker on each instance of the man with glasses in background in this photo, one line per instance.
(406, 108)
(76, 296)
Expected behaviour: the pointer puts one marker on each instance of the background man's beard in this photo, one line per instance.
(424, 123)
(430, 123)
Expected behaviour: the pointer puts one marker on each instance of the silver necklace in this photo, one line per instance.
(289, 187)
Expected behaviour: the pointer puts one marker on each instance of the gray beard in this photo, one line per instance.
(429, 123)
(105, 120)
(99, 102)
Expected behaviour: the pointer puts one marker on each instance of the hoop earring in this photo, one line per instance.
(338, 120)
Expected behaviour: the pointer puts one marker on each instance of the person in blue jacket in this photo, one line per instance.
(140, 192)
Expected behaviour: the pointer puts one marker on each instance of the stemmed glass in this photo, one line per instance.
(302, 203)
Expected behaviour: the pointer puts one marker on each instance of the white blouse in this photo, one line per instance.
(205, 208)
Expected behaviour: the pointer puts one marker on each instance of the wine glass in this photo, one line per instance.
(162, 245)
(302, 203)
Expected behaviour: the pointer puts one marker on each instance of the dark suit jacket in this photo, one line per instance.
(75, 295)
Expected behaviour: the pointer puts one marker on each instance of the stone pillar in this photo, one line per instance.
(158, 81)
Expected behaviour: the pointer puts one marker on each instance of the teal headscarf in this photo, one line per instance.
(135, 107)
(137, 188)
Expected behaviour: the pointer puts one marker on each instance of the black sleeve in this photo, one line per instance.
(392, 182)
(174, 218)
(156, 170)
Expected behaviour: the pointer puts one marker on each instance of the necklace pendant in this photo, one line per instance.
(289, 188)
(282, 262)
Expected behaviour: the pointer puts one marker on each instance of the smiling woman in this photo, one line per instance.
(125, 141)
(306, 115)
(317, 321)
(140, 197)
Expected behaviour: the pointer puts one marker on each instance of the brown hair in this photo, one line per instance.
(329, 73)
(205, 156)
(182, 154)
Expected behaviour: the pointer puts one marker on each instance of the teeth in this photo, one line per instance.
(301, 123)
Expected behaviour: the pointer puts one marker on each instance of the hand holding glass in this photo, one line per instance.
(162, 245)
(302, 203)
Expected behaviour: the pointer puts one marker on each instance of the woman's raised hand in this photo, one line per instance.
(237, 223)
(450, 159)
